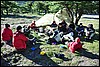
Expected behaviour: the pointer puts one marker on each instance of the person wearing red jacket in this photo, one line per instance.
(20, 39)
(7, 34)
(73, 46)
(33, 25)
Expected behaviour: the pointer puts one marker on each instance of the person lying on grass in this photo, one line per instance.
(7, 35)
(73, 46)
(20, 39)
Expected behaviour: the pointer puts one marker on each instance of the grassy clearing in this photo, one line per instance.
(73, 57)
(91, 47)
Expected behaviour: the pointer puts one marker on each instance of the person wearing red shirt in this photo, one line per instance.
(73, 46)
(7, 34)
(33, 25)
(20, 40)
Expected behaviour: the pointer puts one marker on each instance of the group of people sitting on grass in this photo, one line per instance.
(57, 33)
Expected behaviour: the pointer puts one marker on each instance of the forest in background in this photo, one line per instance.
(43, 7)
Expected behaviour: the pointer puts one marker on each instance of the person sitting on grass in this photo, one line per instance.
(73, 46)
(62, 26)
(26, 31)
(49, 31)
(20, 39)
(80, 30)
(72, 25)
(69, 34)
(54, 24)
(33, 25)
(90, 31)
(7, 34)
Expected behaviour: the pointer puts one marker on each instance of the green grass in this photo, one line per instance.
(91, 47)
(51, 49)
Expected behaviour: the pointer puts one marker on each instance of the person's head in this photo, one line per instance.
(33, 21)
(89, 26)
(54, 22)
(63, 21)
(7, 25)
(77, 40)
(60, 25)
(81, 24)
(19, 28)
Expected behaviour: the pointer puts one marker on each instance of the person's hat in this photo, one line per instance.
(77, 40)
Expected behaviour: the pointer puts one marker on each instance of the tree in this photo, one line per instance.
(77, 8)
(8, 6)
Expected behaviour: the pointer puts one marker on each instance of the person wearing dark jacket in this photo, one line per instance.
(62, 26)
(69, 34)
(72, 25)
(54, 24)
(90, 31)
(80, 30)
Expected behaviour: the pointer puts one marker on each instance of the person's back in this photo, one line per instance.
(19, 39)
(73, 46)
(7, 33)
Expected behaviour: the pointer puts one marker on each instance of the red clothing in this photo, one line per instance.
(20, 40)
(73, 46)
(33, 25)
(7, 34)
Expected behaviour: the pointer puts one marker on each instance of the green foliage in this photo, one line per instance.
(47, 6)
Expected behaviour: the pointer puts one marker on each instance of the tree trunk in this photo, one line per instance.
(69, 12)
(2, 12)
(78, 18)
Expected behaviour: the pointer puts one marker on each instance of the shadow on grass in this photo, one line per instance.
(37, 58)
(4, 62)
(87, 54)
(33, 55)
(95, 37)
(18, 16)
(90, 18)
(97, 30)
